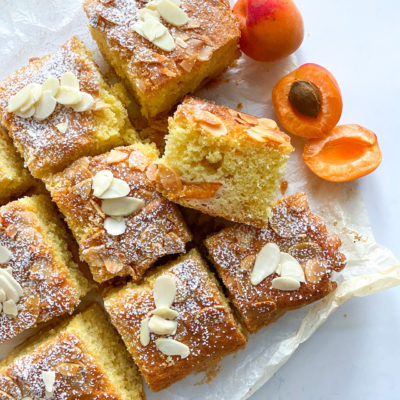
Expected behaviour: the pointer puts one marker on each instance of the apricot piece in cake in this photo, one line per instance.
(83, 358)
(122, 224)
(38, 278)
(176, 321)
(223, 162)
(284, 267)
(164, 50)
(59, 108)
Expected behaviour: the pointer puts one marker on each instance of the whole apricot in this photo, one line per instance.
(271, 29)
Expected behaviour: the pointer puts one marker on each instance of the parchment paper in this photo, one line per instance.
(31, 28)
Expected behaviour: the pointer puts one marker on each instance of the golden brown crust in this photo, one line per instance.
(152, 67)
(48, 291)
(157, 230)
(205, 323)
(44, 148)
(240, 126)
(297, 231)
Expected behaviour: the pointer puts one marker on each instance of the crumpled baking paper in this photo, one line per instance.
(31, 28)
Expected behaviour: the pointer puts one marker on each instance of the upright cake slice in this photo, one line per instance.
(176, 321)
(82, 359)
(38, 278)
(164, 49)
(122, 224)
(287, 266)
(58, 108)
(14, 178)
(223, 162)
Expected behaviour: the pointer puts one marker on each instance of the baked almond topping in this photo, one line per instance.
(161, 326)
(267, 123)
(250, 119)
(49, 378)
(68, 369)
(62, 127)
(10, 292)
(116, 156)
(314, 271)
(270, 260)
(171, 347)
(40, 101)
(113, 266)
(150, 26)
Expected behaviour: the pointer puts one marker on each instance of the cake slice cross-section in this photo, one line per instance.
(122, 224)
(83, 358)
(58, 108)
(14, 178)
(284, 267)
(39, 279)
(132, 34)
(177, 321)
(223, 162)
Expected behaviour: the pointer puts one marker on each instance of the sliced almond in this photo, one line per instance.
(144, 332)
(69, 79)
(257, 133)
(267, 123)
(114, 226)
(248, 262)
(161, 326)
(27, 114)
(285, 283)
(62, 127)
(3, 296)
(116, 156)
(164, 291)
(290, 267)
(49, 377)
(250, 119)
(68, 369)
(165, 42)
(146, 12)
(180, 42)
(207, 117)
(117, 189)
(101, 182)
(84, 104)
(267, 261)
(51, 84)
(10, 286)
(5, 255)
(205, 53)
(304, 251)
(35, 95)
(216, 131)
(172, 13)
(165, 312)
(68, 95)
(20, 99)
(137, 160)
(121, 207)
(113, 266)
(171, 347)
(10, 308)
(314, 271)
(45, 106)
(187, 64)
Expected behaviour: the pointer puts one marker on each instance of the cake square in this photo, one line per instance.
(38, 278)
(297, 274)
(204, 44)
(14, 178)
(49, 145)
(223, 162)
(136, 239)
(84, 358)
(205, 329)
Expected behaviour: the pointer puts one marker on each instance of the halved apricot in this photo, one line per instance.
(348, 152)
(307, 101)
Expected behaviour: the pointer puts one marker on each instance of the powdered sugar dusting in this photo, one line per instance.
(156, 230)
(204, 323)
(297, 231)
(116, 18)
(47, 293)
(24, 376)
(45, 147)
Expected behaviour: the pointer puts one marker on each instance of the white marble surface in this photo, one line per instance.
(355, 354)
